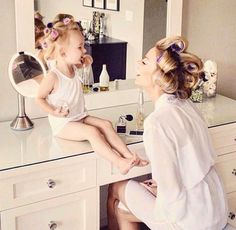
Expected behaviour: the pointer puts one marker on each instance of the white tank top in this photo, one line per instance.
(69, 94)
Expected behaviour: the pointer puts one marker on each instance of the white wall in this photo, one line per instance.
(154, 25)
(210, 28)
(117, 25)
(8, 97)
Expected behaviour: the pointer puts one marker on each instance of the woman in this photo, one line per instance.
(189, 192)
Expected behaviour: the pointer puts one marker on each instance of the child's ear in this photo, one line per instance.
(62, 52)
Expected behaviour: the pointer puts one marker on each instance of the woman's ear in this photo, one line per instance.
(157, 75)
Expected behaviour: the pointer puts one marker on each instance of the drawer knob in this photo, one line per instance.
(52, 225)
(51, 183)
(231, 215)
(234, 172)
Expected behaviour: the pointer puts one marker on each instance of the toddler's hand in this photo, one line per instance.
(60, 112)
(86, 60)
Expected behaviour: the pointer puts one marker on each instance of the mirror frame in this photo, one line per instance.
(11, 77)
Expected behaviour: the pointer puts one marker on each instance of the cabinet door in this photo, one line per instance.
(71, 212)
(226, 168)
(45, 181)
(108, 173)
(232, 209)
(224, 138)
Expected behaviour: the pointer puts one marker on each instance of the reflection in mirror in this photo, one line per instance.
(25, 72)
(127, 29)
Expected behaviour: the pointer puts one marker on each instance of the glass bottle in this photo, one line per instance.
(104, 79)
(140, 112)
(85, 78)
(197, 93)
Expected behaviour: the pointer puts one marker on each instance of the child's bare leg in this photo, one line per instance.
(113, 139)
(78, 131)
(108, 131)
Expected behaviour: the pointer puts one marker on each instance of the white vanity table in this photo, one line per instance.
(50, 183)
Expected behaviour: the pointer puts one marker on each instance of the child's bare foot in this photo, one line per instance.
(139, 161)
(125, 165)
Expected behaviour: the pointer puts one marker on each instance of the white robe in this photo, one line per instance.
(178, 145)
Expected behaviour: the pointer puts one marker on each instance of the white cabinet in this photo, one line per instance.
(48, 185)
(71, 212)
(46, 181)
(232, 208)
(54, 195)
(224, 138)
(224, 141)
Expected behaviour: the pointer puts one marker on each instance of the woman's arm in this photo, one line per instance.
(171, 194)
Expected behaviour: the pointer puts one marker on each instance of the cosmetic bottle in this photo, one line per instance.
(139, 118)
(121, 124)
(85, 78)
(104, 79)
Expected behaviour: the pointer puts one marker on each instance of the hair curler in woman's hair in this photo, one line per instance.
(179, 70)
(177, 48)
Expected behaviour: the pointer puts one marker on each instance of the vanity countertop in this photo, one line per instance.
(22, 148)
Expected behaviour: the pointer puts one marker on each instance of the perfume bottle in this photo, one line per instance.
(121, 124)
(104, 79)
(85, 79)
(197, 92)
(140, 112)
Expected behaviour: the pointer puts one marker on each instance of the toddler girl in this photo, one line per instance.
(60, 95)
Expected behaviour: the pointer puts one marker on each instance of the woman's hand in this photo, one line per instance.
(150, 185)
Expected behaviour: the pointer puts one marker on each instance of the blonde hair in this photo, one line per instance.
(57, 35)
(38, 32)
(60, 17)
(178, 70)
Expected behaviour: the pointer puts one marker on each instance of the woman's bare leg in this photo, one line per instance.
(117, 218)
(113, 139)
(112, 204)
(78, 131)
(127, 220)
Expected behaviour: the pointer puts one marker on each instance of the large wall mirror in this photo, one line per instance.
(139, 25)
(21, 36)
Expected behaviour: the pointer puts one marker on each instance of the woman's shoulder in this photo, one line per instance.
(167, 117)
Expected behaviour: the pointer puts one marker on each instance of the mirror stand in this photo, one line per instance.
(22, 121)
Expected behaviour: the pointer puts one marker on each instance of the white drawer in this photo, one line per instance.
(226, 167)
(107, 173)
(232, 208)
(70, 212)
(43, 181)
(224, 138)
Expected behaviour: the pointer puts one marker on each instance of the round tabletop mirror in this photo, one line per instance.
(26, 72)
